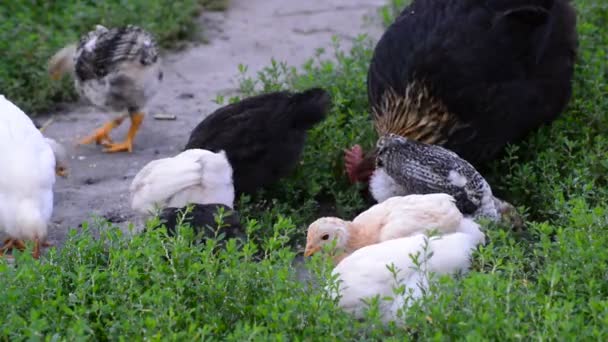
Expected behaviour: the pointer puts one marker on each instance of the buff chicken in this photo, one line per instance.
(394, 218)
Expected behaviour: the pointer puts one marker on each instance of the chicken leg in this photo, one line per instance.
(127, 145)
(10, 244)
(102, 135)
(36, 253)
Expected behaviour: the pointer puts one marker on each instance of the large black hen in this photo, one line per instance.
(263, 136)
(470, 75)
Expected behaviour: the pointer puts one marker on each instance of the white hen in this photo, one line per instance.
(365, 273)
(194, 176)
(394, 218)
(29, 164)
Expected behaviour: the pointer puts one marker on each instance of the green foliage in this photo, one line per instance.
(215, 5)
(32, 31)
(546, 283)
(318, 185)
(390, 11)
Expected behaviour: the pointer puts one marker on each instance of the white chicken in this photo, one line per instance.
(29, 165)
(366, 273)
(194, 176)
(394, 218)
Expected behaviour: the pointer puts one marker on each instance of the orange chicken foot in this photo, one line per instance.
(37, 244)
(102, 135)
(10, 244)
(126, 145)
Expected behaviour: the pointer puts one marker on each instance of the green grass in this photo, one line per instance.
(547, 283)
(32, 31)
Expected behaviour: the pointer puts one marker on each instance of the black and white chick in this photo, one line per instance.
(406, 166)
(263, 136)
(117, 69)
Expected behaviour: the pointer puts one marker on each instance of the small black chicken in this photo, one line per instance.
(202, 219)
(470, 75)
(405, 167)
(263, 136)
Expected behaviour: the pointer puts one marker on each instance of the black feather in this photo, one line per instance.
(263, 136)
(502, 68)
(113, 46)
(202, 219)
(309, 108)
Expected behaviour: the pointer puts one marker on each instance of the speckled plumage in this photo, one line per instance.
(417, 168)
(117, 68)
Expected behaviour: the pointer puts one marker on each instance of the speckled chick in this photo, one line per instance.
(405, 166)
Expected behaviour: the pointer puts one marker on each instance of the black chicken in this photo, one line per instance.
(470, 75)
(202, 219)
(263, 136)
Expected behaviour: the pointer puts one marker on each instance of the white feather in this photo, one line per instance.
(457, 179)
(382, 186)
(364, 274)
(193, 176)
(403, 216)
(90, 45)
(28, 175)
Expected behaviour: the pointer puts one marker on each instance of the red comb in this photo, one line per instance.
(352, 159)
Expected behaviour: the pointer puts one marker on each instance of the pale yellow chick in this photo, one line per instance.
(397, 217)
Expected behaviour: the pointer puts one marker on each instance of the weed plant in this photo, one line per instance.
(549, 282)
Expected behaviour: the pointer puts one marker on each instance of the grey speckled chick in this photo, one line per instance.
(117, 69)
(405, 166)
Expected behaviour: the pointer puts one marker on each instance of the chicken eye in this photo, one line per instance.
(325, 237)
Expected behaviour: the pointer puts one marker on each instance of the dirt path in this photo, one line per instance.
(250, 32)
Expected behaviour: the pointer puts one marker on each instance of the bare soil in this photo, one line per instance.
(251, 32)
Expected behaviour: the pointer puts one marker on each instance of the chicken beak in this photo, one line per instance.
(62, 172)
(311, 250)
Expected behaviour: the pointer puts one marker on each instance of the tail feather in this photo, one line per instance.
(193, 176)
(62, 62)
(310, 107)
